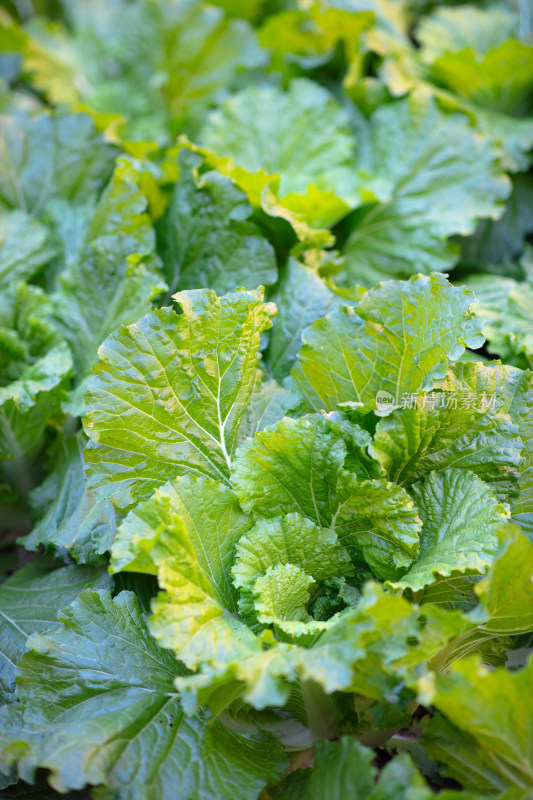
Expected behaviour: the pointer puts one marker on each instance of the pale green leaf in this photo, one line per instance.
(186, 535)
(281, 597)
(460, 518)
(171, 391)
(297, 465)
(302, 135)
(377, 520)
(493, 710)
(291, 539)
(399, 339)
(468, 425)
(507, 592)
(292, 466)
(341, 769)
(372, 649)
(35, 364)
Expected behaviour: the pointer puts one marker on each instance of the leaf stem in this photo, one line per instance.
(322, 716)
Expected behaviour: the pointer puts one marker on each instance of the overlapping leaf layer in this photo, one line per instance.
(266, 400)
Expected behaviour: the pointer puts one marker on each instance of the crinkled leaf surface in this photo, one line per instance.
(71, 517)
(29, 601)
(186, 534)
(371, 649)
(460, 518)
(466, 426)
(292, 466)
(35, 364)
(344, 768)
(297, 465)
(206, 238)
(341, 769)
(377, 520)
(102, 708)
(291, 539)
(398, 339)
(171, 391)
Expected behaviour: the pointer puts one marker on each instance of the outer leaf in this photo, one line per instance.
(448, 30)
(465, 759)
(493, 709)
(301, 135)
(341, 769)
(71, 516)
(399, 340)
(206, 238)
(495, 241)
(344, 768)
(187, 387)
(46, 157)
(268, 404)
(30, 600)
(467, 426)
(461, 519)
(186, 54)
(492, 292)
(498, 87)
(24, 247)
(372, 649)
(34, 363)
(101, 690)
(108, 284)
(447, 180)
(26, 404)
(400, 779)
(506, 593)
(390, 240)
(302, 298)
(186, 535)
